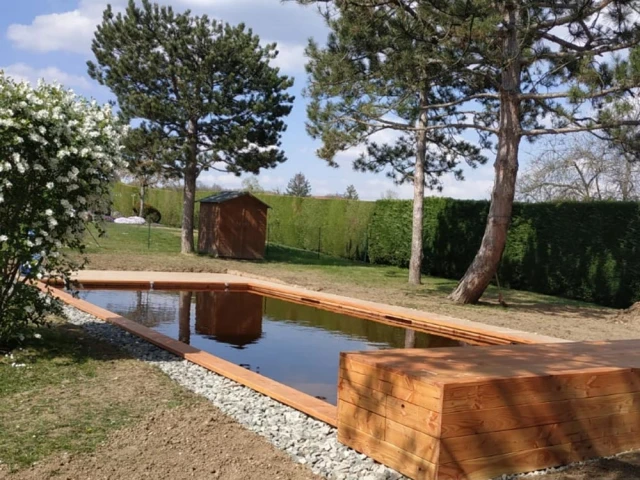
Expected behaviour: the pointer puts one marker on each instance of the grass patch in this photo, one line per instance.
(134, 238)
(66, 392)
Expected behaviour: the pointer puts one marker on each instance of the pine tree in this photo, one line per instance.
(512, 69)
(299, 186)
(351, 193)
(382, 67)
(203, 86)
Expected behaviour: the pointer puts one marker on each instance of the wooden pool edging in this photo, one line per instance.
(464, 330)
(301, 401)
(522, 403)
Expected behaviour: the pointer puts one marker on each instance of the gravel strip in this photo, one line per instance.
(309, 441)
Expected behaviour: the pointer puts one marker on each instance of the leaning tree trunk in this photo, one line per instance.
(485, 265)
(415, 264)
(189, 192)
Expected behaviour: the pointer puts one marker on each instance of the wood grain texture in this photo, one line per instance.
(481, 412)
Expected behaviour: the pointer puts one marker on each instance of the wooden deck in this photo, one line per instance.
(480, 412)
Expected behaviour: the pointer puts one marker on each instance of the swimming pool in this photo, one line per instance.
(297, 345)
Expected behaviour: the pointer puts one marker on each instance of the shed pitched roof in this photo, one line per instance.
(225, 196)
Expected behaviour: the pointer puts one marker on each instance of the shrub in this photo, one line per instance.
(149, 213)
(58, 153)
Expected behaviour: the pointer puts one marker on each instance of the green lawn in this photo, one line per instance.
(53, 396)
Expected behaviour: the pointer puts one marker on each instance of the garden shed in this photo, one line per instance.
(233, 225)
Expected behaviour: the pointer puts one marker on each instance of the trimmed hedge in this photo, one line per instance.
(585, 251)
(338, 226)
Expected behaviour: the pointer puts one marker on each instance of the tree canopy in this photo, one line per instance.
(580, 167)
(204, 87)
(370, 86)
(299, 186)
(351, 193)
(508, 69)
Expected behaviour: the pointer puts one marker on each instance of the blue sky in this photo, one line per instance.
(51, 39)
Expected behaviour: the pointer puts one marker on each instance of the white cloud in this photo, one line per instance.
(24, 72)
(70, 31)
(290, 57)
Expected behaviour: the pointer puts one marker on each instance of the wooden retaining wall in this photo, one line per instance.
(480, 412)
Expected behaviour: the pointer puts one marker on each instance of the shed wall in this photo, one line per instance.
(236, 228)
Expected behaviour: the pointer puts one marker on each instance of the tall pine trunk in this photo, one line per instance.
(189, 192)
(485, 264)
(415, 264)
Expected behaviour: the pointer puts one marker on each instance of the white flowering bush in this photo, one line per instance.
(58, 154)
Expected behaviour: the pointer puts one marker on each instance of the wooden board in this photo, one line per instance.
(289, 396)
(481, 412)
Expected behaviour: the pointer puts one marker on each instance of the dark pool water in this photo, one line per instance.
(293, 344)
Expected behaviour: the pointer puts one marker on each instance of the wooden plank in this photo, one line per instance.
(403, 380)
(391, 389)
(289, 396)
(412, 441)
(536, 459)
(518, 391)
(360, 419)
(404, 462)
(362, 396)
(410, 415)
(456, 449)
(510, 418)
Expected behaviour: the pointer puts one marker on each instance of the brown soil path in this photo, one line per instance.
(195, 442)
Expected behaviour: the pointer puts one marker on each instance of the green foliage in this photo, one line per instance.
(339, 226)
(299, 186)
(382, 66)
(586, 251)
(206, 93)
(58, 154)
(196, 82)
(351, 193)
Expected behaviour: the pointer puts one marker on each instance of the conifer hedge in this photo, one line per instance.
(586, 251)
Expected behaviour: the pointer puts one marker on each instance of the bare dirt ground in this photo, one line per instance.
(526, 311)
(189, 442)
(81, 409)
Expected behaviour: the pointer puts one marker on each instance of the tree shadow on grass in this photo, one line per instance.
(64, 343)
(294, 256)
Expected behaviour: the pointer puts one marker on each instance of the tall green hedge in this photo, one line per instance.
(338, 226)
(586, 251)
